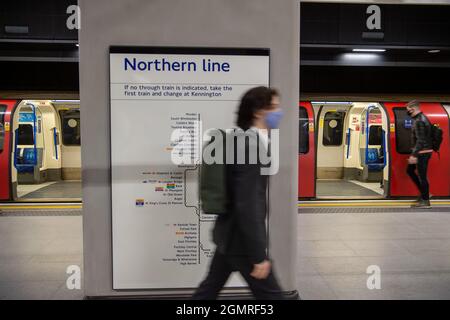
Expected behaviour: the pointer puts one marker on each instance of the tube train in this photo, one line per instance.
(346, 150)
(360, 150)
(40, 152)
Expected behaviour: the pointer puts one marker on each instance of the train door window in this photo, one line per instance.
(333, 127)
(303, 132)
(403, 125)
(70, 120)
(375, 135)
(2, 127)
(26, 135)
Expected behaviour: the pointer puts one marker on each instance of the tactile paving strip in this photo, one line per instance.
(372, 210)
(69, 212)
(40, 213)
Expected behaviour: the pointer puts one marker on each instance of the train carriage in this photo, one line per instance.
(40, 150)
(359, 150)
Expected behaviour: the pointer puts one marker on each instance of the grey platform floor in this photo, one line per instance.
(412, 250)
(340, 188)
(35, 252)
(58, 190)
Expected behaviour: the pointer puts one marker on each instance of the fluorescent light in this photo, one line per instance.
(77, 44)
(369, 50)
(360, 56)
(434, 51)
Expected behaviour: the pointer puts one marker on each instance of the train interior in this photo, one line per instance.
(46, 151)
(352, 159)
(346, 150)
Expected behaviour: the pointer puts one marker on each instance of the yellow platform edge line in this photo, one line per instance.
(367, 204)
(301, 205)
(40, 207)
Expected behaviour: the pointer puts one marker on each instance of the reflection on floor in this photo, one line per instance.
(334, 252)
(374, 186)
(411, 249)
(51, 190)
(24, 189)
(35, 252)
(345, 188)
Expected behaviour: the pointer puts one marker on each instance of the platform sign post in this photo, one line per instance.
(160, 237)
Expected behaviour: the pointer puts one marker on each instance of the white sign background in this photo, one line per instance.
(157, 244)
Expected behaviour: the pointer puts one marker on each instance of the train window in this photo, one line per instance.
(26, 134)
(333, 127)
(70, 120)
(403, 123)
(375, 135)
(303, 131)
(2, 127)
(26, 109)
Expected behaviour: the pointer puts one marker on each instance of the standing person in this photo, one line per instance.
(240, 234)
(422, 149)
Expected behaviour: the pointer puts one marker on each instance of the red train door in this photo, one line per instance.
(400, 146)
(306, 152)
(6, 110)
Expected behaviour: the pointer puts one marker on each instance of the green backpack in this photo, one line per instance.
(213, 185)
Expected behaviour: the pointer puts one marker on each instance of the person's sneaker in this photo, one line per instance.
(419, 198)
(417, 202)
(422, 204)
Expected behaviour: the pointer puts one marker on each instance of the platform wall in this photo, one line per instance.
(270, 24)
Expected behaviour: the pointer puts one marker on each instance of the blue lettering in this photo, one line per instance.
(225, 67)
(211, 66)
(164, 65)
(176, 66)
(128, 63)
(142, 65)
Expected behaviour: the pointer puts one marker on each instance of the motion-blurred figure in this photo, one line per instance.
(240, 234)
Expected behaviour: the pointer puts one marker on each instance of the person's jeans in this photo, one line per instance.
(421, 180)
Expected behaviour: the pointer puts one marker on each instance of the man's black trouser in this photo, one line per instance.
(221, 268)
(421, 180)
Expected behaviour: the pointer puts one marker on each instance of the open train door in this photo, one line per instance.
(6, 110)
(400, 149)
(306, 152)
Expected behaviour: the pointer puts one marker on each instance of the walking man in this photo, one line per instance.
(240, 234)
(422, 149)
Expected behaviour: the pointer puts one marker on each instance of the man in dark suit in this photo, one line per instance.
(240, 234)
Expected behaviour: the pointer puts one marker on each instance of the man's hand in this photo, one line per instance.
(412, 160)
(261, 270)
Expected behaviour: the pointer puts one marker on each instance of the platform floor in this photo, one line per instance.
(347, 188)
(412, 250)
(35, 252)
(65, 189)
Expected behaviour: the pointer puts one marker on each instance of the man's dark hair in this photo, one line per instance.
(254, 100)
(413, 104)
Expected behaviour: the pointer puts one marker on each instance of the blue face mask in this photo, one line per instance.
(273, 119)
